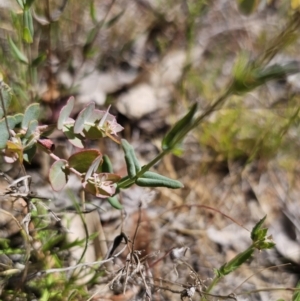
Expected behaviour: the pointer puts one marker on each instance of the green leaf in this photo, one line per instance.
(89, 41)
(20, 2)
(65, 113)
(106, 165)
(39, 60)
(29, 153)
(114, 19)
(82, 160)
(91, 129)
(132, 163)
(169, 183)
(12, 121)
(93, 167)
(248, 6)
(27, 36)
(275, 71)
(115, 202)
(18, 54)
(4, 134)
(172, 137)
(163, 179)
(93, 12)
(18, 119)
(296, 295)
(32, 112)
(236, 262)
(75, 139)
(58, 174)
(28, 30)
(31, 128)
(28, 3)
(83, 117)
(256, 229)
(52, 242)
(265, 245)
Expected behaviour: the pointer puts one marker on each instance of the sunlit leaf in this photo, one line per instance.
(75, 139)
(31, 128)
(83, 117)
(152, 179)
(32, 112)
(93, 167)
(65, 113)
(132, 163)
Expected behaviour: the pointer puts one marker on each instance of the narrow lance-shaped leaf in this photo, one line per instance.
(169, 183)
(236, 262)
(114, 19)
(28, 3)
(296, 295)
(20, 2)
(18, 53)
(152, 179)
(171, 139)
(93, 12)
(106, 165)
(114, 202)
(93, 167)
(132, 163)
(28, 26)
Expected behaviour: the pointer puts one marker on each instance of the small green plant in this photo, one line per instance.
(23, 136)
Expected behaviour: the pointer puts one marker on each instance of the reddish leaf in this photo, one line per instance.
(82, 160)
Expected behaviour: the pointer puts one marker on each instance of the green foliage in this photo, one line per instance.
(248, 6)
(296, 295)
(235, 263)
(179, 130)
(21, 133)
(132, 163)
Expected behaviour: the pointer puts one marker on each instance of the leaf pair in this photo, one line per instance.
(89, 124)
(88, 163)
(23, 144)
(137, 176)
